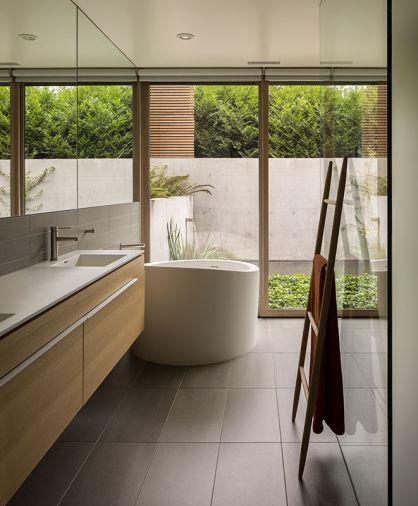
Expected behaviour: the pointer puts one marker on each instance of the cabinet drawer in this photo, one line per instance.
(36, 405)
(22, 342)
(110, 331)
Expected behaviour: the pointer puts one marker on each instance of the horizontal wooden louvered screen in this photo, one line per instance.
(172, 121)
(374, 122)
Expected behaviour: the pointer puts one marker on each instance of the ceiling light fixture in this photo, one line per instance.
(28, 36)
(185, 36)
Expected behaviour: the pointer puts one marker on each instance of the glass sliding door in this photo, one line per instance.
(204, 172)
(308, 125)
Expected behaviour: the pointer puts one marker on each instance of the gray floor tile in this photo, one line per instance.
(181, 474)
(365, 421)
(286, 323)
(292, 432)
(125, 372)
(249, 474)
(141, 416)
(196, 416)
(325, 481)
(373, 367)
(352, 376)
(368, 467)
(254, 370)
(112, 475)
(363, 341)
(251, 416)
(207, 376)
(94, 415)
(263, 324)
(160, 376)
(279, 341)
(51, 477)
(285, 368)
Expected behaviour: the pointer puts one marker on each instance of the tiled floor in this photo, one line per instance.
(222, 435)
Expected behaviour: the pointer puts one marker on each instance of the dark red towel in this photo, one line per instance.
(330, 401)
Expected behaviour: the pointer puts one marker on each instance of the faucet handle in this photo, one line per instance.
(64, 228)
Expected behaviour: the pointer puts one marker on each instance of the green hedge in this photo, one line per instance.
(290, 291)
(306, 121)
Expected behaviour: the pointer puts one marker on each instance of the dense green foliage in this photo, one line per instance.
(226, 121)
(4, 123)
(353, 291)
(50, 122)
(100, 127)
(306, 121)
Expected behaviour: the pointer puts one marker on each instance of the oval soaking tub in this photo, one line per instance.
(198, 311)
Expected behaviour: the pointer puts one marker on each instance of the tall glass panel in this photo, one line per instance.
(295, 151)
(4, 151)
(204, 172)
(353, 34)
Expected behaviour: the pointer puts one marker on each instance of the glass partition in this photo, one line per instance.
(353, 34)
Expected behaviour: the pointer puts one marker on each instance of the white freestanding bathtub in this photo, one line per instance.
(198, 311)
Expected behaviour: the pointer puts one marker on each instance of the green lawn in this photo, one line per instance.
(290, 291)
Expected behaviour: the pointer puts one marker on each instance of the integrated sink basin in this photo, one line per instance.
(4, 316)
(88, 260)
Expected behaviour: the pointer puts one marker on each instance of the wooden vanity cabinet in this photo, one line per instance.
(36, 405)
(51, 365)
(110, 331)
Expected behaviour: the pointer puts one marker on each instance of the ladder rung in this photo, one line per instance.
(304, 382)
(313, 324)
(330, 202)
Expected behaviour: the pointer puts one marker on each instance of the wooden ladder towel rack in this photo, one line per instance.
(311, 389)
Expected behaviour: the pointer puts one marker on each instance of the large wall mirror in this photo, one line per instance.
(66, 117)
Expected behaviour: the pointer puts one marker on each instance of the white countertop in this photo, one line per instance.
(28, 292)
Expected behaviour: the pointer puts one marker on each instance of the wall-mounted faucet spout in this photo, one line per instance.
(55, 240)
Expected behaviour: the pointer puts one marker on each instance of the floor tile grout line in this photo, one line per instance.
(348, 472)
(158, 441)
(220, 435)
(96, 443)
(280, 431)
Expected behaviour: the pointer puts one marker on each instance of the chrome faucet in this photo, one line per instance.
(55, 239)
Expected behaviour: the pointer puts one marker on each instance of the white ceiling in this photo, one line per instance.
(233, 32)
(59, 36)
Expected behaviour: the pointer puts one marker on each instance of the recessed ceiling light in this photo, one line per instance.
(28, 36)
(185, 36)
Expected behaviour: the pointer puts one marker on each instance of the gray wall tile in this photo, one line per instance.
(25, 240)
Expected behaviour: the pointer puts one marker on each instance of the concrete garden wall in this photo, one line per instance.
(230, 215)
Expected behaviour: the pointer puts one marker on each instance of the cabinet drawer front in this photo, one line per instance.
(109, 333)
(21, 343)
(36, 405)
